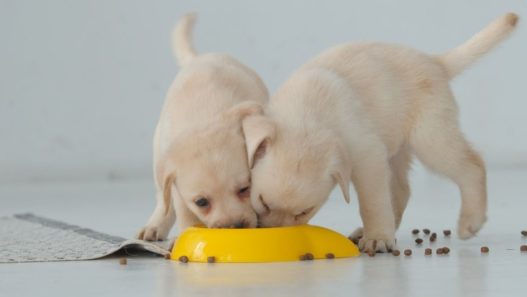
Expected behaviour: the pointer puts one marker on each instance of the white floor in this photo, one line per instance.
(120, 208)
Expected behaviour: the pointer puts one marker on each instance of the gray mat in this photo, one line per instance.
(30, 238)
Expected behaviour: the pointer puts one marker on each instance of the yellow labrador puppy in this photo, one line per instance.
(200, 160)
(358, 112)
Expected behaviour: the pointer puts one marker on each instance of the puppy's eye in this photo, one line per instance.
(202, 202)
(304, 213)
(244, 192)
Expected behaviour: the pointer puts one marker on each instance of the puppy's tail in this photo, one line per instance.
(459, 58)
(182, 40)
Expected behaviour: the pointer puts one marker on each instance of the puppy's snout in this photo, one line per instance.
(237, 225)
(240, 224)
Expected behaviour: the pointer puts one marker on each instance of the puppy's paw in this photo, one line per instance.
(356, 235)
(470, 224)
(381, 244)
(152, 233)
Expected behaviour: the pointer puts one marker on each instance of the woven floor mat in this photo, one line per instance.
(30, 238)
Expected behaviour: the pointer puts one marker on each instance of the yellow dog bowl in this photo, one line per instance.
(281, 244)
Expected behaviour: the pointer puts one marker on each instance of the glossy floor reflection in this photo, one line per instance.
(120, 208)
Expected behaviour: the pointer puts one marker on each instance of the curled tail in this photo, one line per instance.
(459, 58)
(182, 40)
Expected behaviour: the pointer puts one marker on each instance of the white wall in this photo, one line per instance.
(82, 82)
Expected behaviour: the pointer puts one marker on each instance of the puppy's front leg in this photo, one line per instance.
(371, 177)
(160, 222)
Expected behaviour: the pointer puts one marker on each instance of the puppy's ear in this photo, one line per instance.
(165, 178)
(259, 133)
(167, 192)
(341, 170)
(242, 110)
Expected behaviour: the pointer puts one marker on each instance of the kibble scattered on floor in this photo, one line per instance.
(306, 257)
(183, 259)
(330, 256)
(433, 237)
(167, 257)
(428, 251)
(123, 261)
(211, 259)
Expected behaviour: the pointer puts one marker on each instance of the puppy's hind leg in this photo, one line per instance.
(440, 145)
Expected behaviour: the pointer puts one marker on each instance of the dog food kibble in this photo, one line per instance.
(371, 253)
(439, 251)
(167, 257)
(408, 252)
(415, 231)
(184, 259)
(418, 241)
(396, 253)
(428, 252)
(123, 261)
(330, 256)
(433, 237)
(523, 248)
(447, 232)
(484, 249)
(524, 232)
(306, 257)
(446, 250)
(426, 231)
(211, 259)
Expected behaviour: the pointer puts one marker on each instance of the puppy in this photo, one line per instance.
(200, 166)
(358, 112)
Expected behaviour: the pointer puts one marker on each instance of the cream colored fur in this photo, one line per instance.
(359, 112)
(199, 146)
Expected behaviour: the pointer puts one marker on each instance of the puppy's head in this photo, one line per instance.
(292, 172)
(209, 170)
